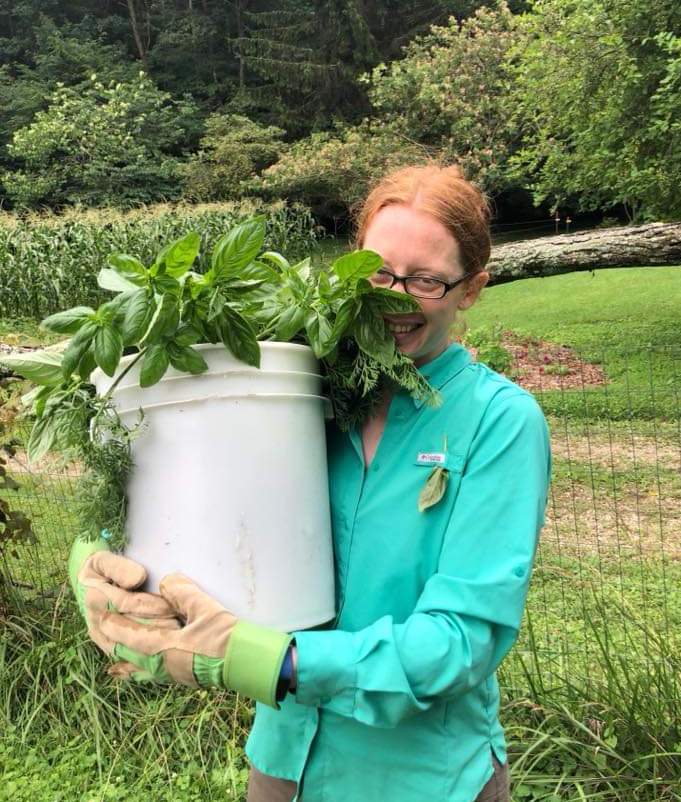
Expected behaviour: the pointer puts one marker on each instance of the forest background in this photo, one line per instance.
(548, 104)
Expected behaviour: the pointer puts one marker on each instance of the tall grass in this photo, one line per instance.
(50, 263)
(610, 731)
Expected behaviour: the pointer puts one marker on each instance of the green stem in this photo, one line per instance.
(106, 397)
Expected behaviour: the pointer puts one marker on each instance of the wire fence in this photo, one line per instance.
(607, 579)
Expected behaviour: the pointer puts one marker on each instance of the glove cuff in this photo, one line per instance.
(80, 551)
(253, 660)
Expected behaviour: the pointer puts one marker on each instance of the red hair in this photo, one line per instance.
(444, 193)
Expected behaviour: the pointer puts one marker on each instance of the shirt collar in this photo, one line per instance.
(443, 368)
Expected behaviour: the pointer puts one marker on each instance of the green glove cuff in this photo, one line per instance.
(253, 661)
(80, 551)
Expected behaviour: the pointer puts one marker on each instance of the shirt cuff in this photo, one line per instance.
(327, 674)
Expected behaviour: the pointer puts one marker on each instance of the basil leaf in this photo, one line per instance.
(239, 337)
(238, 248)
(165, 320)
(108, 349)
(319, 333)
(166, 284)
(113, 311)
(86, 365)
(373, 337)
(129, 267)
(187, 334)
(78, 345)
(186, 359)
(178, 256)
(111, 280)
(346, 314)
(138, 314)
(434, 488)
(356, 265)
(289, 323)
(41, 438)
(154, 364)
(391, 302)
(41, 367)
(68, 322)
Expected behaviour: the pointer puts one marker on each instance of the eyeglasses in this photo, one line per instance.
(418, 286)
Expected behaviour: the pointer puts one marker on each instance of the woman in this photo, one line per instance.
(399, 700)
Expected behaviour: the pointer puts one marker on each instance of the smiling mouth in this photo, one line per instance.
(403, 327)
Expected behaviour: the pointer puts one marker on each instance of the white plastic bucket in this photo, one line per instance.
(229, 484)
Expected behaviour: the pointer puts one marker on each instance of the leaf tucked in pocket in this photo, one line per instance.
(434, 488)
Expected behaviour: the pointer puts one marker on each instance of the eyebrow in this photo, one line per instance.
(431, 272)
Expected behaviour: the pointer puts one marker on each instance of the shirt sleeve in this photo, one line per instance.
(469, 612)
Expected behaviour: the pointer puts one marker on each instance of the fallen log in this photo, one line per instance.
(626, 246)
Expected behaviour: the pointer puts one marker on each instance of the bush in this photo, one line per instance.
(332, 171)
(100, 145)
(233, 149)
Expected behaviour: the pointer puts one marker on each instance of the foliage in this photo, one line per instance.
(597, 89)
(49, 263)
(451, 92)
(100, 144)
(487, 341)
(232, 150)
(333, 171)
(15, 526)
(68, 53)
(447, 100)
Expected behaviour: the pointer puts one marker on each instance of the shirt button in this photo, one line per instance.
(376, 465)
(519, 571)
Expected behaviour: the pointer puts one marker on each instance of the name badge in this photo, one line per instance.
(431, 458)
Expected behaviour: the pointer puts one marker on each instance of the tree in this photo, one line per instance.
(597, 90)
(451, 93)
(332, 171)
(110, 144)
(232, 150)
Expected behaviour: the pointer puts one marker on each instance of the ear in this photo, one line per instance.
(473, 289)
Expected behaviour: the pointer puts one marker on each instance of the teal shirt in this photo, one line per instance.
(400, 700)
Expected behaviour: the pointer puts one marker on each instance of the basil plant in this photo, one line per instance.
(159, 312)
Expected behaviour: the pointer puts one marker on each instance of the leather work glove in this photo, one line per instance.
(102, 581)
(212, 649)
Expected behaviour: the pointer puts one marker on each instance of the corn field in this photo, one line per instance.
(51, 263)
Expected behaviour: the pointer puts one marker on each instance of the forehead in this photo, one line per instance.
(409, 238)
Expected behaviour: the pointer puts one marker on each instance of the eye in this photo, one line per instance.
(382, 277)
(424, 283)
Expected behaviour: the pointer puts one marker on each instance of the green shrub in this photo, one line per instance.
(487, 341)
(233, 149)
(100, 145)
(332, 171)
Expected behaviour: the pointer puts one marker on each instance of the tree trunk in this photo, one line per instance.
(241, 33)
(652, 244)
(136, 32)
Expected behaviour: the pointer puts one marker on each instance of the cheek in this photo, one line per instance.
(442, 316)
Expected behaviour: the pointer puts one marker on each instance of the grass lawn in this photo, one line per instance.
(627, 320)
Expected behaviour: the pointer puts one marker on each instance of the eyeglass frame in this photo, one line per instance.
(448, 286)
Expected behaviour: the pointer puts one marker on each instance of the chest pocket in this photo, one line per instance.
(441, 476)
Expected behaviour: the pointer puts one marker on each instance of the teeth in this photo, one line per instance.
(396, 328)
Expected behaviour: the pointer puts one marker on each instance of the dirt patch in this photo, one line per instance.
(539, 365)
(51, 465)
(626, 523)
(620, 451)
